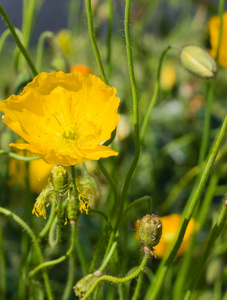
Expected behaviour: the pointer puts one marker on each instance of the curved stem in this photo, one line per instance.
(93, 41)
(17, 41)
(106, 260)
(118, 280)
(39, 55)
(155, 95)
(60, 259)
(139, 201)
(8, 213)
(19, 157)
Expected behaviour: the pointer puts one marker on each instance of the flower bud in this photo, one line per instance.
(84, 284)
(150, 231)
(59, 177)
(198, 61)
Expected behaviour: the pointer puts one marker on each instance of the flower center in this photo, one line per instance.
(69, 133)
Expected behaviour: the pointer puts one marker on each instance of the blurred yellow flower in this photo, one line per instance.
(170, 227)
(168, 77)
(81, 68)
(214, 32)
(64, 118)
(38, 172)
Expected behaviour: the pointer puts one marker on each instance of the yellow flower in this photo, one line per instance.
(64, 118)
(214, 32)
(170, 227)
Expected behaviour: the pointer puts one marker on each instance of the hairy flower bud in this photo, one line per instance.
(150, 231)
(84, 284)
(59, 177)
(198, 61)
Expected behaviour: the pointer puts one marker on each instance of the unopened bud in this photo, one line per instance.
(59, 177)
(198, 61)
(150, 231)
(84, 285)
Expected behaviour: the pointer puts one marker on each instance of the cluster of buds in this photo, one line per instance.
(60, 185)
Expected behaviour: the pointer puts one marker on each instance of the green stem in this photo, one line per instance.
(40, 47)
(5, 34)
(17, 41)
(109, 36)
(168, 259)
(155, 95)
(49, 222)
(81, 256)
(139, 201)
(221, 11)
(28, 16)
(214, 234)
(60, 259)
(118, 280)
(93, 41)
(139, 284)
(8, 213)
(70, 280)
(108, 257)
(19, 157)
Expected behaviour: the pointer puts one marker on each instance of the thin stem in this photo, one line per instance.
(139, 201)
(60, 259)
(70, 280)
(155, 95)
(221, 11)
(40, 47)
(139, 283)
(93, 41)
(109, 36)
(7, 212)
(106, 260)
(118, 280)
(18, 157)
(49, 222)
(167, 260)
(17, 41)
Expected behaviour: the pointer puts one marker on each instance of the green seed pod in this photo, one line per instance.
(84, 285)
(72, 208)
(59, 177)
(150, 231)
(198, 61)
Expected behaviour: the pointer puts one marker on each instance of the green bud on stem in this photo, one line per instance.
(59, 177)
(198, 61)
(150, 231)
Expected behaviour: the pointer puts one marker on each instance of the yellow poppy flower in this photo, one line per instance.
(64, 118)
(214, 33)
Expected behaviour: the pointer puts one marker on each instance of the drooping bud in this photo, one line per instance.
(198, 61)
(84, 284)
(59, 177)
(150, 231)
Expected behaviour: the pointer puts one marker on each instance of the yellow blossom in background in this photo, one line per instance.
(38, 172)
(64, 118)
(168, 77)
(214, 32)
(81, 68)
(170, 227)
